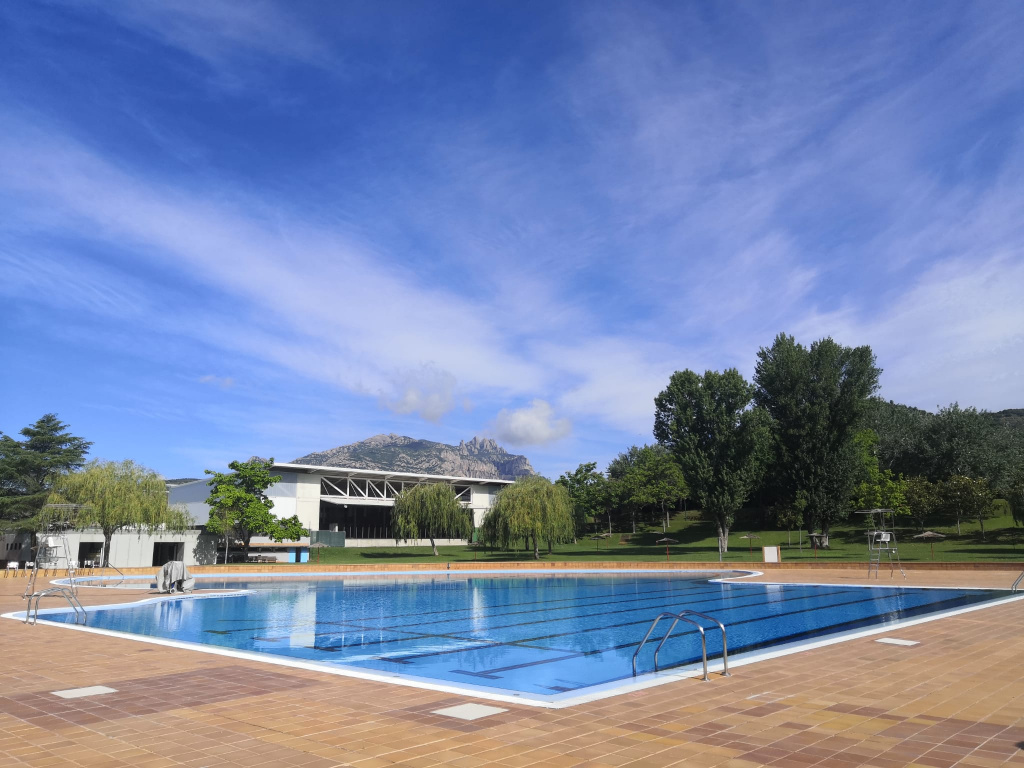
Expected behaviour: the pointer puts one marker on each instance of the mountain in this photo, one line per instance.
(477, 458)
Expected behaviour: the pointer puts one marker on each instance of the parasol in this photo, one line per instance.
(666, 541)
(931, 536)
(750, 538)
(317, 545)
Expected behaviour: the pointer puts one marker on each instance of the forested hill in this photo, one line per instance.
(955, 440)
(1011, 417)
(476, 458)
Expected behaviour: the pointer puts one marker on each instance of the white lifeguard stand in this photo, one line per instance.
(882, 541)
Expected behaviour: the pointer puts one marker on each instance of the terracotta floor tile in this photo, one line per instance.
(954, 699)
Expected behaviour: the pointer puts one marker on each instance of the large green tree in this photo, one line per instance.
(531, 509)
(817, 398)
(587, 489)
(239, 505)
(28, 467)
(118, 496)
(961, 441)
(646, 480)
(901, 436)
(430, 511)
(717, 438)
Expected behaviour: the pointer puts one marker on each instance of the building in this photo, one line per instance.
(339, 506)
(344, 506)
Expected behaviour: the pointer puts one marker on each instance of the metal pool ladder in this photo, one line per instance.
(1017, 582)
(684, 616)
(32, 615)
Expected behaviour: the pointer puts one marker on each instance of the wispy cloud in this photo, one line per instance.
(560, 225)
(224, 382)
(221, 32)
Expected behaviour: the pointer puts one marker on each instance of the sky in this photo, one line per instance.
(253, 228)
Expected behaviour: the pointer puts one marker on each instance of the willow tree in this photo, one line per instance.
(531, 509)
(430, 512)
(118, 496)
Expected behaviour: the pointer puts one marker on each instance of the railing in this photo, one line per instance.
(684, 616)
(119, 573)
(1017, 582)
(32, 614)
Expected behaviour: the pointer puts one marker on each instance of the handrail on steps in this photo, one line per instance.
(103, 583)
(1017, 582)
(32, 616)
(684, 616)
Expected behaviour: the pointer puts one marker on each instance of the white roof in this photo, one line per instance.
(374, 474)
(384, 474)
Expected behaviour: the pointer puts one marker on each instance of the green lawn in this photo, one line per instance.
(1004, 542)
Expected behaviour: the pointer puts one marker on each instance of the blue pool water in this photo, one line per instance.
(532, 634)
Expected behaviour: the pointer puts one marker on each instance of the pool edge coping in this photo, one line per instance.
(553, 701)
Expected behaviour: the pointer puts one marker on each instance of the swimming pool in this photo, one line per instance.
(543, 638)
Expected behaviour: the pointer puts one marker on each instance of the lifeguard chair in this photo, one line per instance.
(883, 542)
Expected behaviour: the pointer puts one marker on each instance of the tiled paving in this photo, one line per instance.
(957, 698)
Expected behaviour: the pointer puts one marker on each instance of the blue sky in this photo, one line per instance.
(264, 228)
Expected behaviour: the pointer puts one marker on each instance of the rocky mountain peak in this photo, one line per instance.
(479, 457)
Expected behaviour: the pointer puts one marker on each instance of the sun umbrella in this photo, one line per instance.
(317, 545)
(666, 541)
(597, 537)
(931, 536)
(750, 537)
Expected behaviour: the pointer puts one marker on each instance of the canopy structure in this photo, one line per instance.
(931, 536)
(666, 541)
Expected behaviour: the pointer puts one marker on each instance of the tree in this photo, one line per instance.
(531, 509)
(717, 438)
(429, 512)
(790, 517)
(118, 496)
(960, 441)
(27, 467)
(586, 488)
(967, 497)
(901, 434)
(1015, 497)
(646, 479)
(816, 399)
(922, 499)
(867, 493)
(239, 503)
(878, 488)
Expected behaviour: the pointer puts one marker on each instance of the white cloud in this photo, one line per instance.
(224, 382)
(320, 303)
(960, 328)
(427, 392)
(533, 425)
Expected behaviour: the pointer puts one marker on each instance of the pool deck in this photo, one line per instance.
(956, 698)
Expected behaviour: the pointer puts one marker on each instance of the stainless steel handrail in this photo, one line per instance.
(32, 615)
(684, 616)
(659, 617)
(120, 573)
(1017, 582)
(725, 644)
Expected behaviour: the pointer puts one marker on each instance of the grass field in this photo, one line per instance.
(1003, 541)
